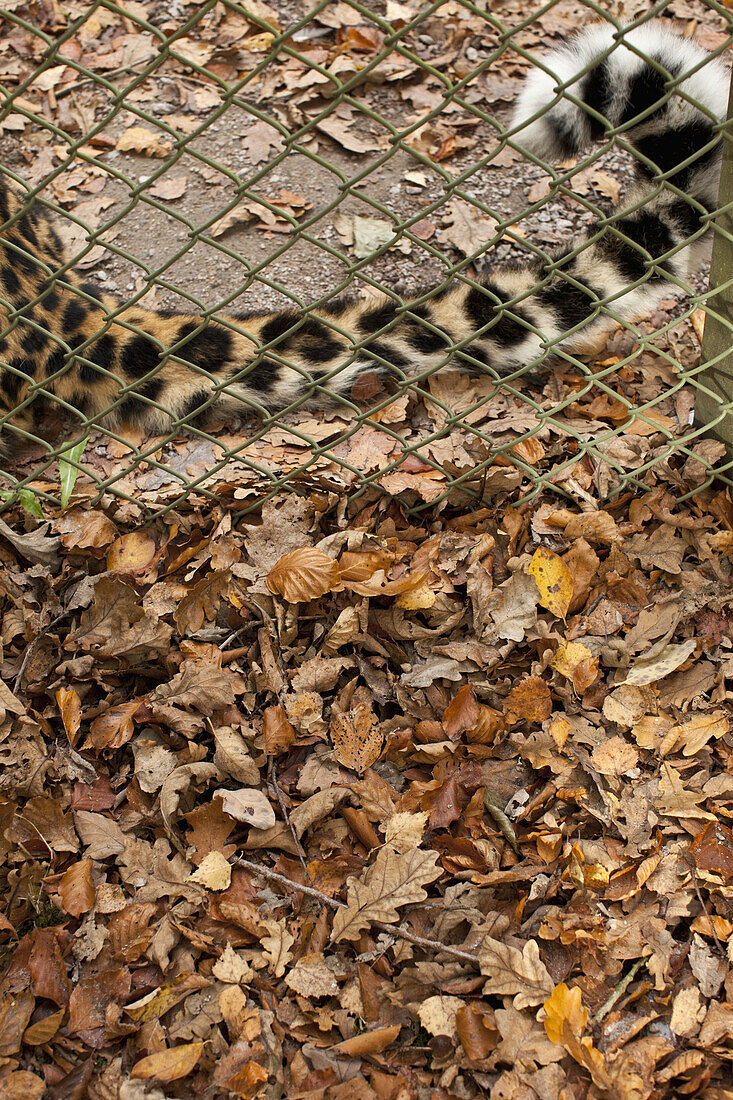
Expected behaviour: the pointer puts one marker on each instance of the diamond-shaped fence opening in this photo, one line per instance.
(218, 157)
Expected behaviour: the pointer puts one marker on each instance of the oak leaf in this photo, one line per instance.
(393, 880)
(511, 972)
(565, 1021)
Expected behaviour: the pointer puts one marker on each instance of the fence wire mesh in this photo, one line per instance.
(214, 156)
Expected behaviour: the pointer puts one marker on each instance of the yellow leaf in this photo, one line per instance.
(169, 1065)
(154, 1005)
(214, 872)
(132, 553)
(559, 731)
(566, 1013)
(575, 662)
(565, 1021)
(357, 738)
(419, 598)
(693, 735)
(303, 575)
(554, 581)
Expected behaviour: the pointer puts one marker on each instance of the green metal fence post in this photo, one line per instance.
(715, 395)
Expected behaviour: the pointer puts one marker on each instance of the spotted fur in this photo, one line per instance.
(62, 340)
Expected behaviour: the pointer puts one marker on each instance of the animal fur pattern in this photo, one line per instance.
(115, 364)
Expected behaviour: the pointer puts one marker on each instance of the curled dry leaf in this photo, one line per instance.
(303, 575)
(69, 705)
(368, 1042)
(169, 1065)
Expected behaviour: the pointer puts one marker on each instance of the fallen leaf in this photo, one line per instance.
(393, 880)
(169, 1065)
(554, 581)
(357, 738)
(303, 575)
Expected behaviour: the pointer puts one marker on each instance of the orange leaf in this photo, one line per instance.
(303, 575)
(565, 1022)
(476, 1031)
(69, 705)
(462, 713)
(369, 1042)
(115, 727)
(76, 888)
(171, 1064)
(249, 1080)
(279, 734)
(530, 450)
(530, 701)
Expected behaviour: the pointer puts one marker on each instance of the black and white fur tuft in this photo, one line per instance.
(625, 74)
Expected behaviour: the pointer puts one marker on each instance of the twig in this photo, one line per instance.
(693, 871)
(35, 644)
(402, 933)
(616, 993)
(288, 822)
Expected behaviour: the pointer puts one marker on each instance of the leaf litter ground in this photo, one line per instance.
(390, 789)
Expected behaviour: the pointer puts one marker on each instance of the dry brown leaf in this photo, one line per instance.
(303, 575)
(169, 1065)
(529, 701)
(76, 889)
(149, 143)
(393, 880)
(357, 738)
(511, 971)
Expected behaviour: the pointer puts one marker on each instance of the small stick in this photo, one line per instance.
(288, 822)
(419, 941)
(616, 994)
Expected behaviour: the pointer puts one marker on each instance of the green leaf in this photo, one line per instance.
(69, 469)
(27, 498)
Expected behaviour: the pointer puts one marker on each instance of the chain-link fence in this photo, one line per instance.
(215, 156)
